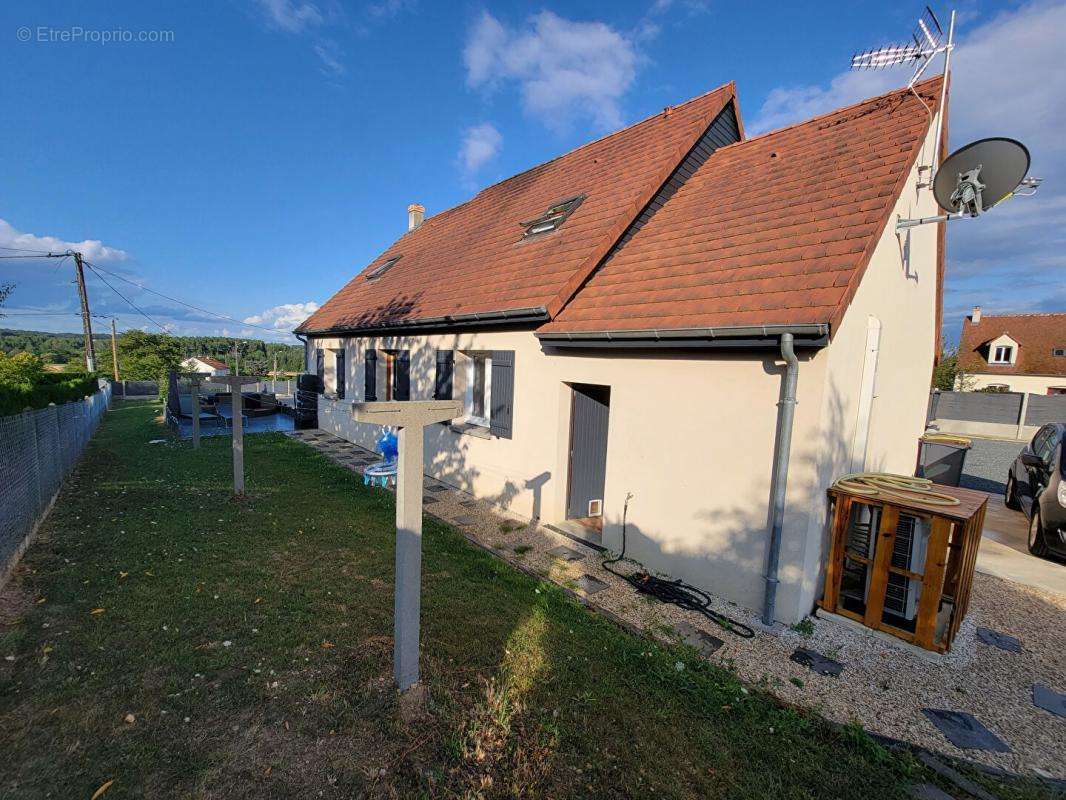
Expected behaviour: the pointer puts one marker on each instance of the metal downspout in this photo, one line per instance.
(786, 410)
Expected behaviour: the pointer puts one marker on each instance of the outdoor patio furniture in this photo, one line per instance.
(207, 410)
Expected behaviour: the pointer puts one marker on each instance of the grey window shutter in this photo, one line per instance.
(341, 368)
(501, 420)
(370, 380)
(401, 376)
(442, 384)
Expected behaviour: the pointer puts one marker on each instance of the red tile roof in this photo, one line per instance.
(772, 230)
(473, 259)
(1036, 334)
(211, 362)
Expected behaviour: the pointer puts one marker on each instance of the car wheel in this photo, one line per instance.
(1010, 497)
(1037, 545)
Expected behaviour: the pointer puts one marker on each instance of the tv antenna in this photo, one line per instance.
(927, 42)
(976, 177)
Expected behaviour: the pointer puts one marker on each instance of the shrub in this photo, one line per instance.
(24, 384)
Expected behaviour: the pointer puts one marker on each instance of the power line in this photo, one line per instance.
(116, 291)
(95, 267)
(24, 250)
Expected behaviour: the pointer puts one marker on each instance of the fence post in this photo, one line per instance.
(36, 461)
(1021, 415)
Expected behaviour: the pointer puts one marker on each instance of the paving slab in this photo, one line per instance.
(699, 639)
(566, 553)
(816, 662)
(964, 730)
(1001, 640)
(428, 499)
(1049, 700)
(464, 520)
(436, 488)
(590, 585)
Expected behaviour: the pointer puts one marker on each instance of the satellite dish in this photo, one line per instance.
(976, 177)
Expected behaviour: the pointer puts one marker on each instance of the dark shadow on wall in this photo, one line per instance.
(726, 553)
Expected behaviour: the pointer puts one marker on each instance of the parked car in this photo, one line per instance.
(1037, 486)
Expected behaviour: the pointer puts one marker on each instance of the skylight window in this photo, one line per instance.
(554, 217)
(377, 272)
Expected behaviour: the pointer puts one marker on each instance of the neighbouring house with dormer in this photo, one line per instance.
(1013, 353)
(635, 327)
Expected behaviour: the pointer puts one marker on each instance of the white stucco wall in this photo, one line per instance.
(691, 434)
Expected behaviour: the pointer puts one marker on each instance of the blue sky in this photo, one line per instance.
(252, 155)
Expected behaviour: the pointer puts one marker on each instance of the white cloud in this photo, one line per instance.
(389, 8)
(291, 15)
(1008, 79)
(92, 249)
(481, 143)
(330, 54)
(787, 104)
(284, 317)
(565, 69)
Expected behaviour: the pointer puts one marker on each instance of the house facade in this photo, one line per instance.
(1013, 353)
(212, 366)
(619, 323)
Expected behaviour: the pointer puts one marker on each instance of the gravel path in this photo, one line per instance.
(883, 685)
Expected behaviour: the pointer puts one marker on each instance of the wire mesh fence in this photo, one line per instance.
(38, 449)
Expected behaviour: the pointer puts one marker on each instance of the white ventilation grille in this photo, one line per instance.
(595, 508)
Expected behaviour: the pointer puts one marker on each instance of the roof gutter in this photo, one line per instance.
(806, 335)
(474, 319)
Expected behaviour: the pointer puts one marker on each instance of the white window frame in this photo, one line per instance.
(1002, 354)
(468, 401)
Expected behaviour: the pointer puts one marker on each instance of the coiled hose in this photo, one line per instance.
(888, 486)
(678, 593)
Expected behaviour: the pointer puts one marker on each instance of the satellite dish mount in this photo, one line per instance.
(978, 177)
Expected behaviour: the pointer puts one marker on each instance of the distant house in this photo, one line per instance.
(619, 324)
(212, 366)
(1013, 353)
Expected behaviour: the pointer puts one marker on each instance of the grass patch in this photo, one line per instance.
(251, 643)
(805, 627)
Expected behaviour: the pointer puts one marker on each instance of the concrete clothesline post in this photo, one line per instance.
(411, 417)
(235, 382)
(195, 379)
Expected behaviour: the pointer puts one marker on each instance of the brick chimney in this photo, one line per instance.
(975, 317)
(415, 214)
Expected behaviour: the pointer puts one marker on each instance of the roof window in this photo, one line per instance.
(1059, 352)
(378, 271)
(554, 217)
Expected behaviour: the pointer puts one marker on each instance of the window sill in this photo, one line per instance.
(470, 429)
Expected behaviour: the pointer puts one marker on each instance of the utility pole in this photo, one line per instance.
(114, 349)
(86, 323)
(236, 358)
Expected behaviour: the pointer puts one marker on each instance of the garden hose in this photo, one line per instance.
(678, 593)
(887, 485)
(947, 438)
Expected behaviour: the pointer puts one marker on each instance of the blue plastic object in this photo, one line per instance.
(388, 445)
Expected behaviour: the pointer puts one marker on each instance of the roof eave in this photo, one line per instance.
(812, 335)
(512, 316)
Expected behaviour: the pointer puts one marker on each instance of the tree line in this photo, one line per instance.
(136, 348)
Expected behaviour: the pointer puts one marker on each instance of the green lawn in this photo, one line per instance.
(251, 643)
